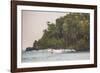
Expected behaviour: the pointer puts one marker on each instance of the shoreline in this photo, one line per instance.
(58, 50)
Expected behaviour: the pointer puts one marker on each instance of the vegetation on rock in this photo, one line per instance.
(69, 32)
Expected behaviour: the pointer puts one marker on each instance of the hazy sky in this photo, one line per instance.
(33, 24)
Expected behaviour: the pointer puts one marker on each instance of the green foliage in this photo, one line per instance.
(69, 31)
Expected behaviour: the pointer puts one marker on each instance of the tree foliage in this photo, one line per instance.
(69, 32)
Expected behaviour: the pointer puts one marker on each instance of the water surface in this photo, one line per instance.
(43, 55)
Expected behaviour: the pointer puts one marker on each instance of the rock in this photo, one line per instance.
(29, 48)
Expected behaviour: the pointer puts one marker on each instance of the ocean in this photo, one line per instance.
(43, 55)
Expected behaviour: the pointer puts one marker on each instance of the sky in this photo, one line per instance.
(33, 24)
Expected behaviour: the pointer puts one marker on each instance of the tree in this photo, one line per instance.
(69, 31)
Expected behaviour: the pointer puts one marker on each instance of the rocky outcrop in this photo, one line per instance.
(29, 48)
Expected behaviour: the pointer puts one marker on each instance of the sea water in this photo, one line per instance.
(43, 55)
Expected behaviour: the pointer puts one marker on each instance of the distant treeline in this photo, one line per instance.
(69, 32)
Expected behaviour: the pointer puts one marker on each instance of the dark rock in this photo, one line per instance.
(29, 48)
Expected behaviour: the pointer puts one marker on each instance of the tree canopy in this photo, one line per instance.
(69, 32)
